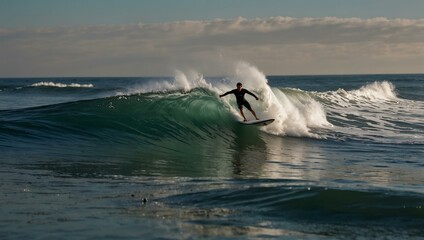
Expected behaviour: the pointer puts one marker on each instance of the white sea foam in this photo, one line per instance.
(377, 91)
(61, 85)
(375, 112)
(293, 116)
(374, 92)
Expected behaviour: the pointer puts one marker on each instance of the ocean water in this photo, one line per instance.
(140, 158)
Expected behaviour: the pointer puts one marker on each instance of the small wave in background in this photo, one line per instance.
(61, 85)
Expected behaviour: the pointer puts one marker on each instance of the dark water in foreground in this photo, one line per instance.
(143, 158)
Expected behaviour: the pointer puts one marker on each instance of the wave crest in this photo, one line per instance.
(370, 93)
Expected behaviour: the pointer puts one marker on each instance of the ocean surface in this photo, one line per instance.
(166, 158)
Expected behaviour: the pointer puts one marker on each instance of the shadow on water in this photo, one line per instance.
(248, 150)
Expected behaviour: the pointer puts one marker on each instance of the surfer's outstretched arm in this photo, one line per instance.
(225, 94)
(252, 94)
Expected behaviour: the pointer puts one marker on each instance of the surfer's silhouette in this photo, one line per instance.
(241, 101)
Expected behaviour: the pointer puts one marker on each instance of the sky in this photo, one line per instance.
(49, 38)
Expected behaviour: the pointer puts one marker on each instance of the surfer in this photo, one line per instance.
(241, 101)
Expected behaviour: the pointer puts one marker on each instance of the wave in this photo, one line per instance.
(45, 87)
(158, 116)
(293, 200)
(293, 116)
(62, 85)
(311, 207)
(376, 92)
(140, 117)
(374, 112)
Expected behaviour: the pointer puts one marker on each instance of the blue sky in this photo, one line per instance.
(41, 38)
(47, 13)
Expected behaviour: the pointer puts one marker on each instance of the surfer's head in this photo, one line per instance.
(239, 85)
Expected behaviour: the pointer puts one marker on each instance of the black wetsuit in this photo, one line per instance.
(241, 101)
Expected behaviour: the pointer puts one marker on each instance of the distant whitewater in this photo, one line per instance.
(61, 85)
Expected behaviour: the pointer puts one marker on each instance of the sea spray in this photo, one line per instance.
(183, 81)
(190, 80)
(377, 91)
(293, 116)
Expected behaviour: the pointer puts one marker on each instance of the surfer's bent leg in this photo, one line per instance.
(240, 106)
(247, 105)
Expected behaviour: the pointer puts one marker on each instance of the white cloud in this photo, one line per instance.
(278, 45)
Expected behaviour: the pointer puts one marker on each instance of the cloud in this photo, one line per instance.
(277, 45)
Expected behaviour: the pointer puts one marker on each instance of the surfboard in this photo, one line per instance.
(261, 122)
